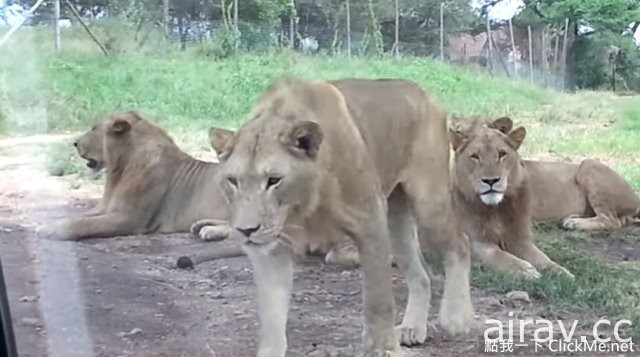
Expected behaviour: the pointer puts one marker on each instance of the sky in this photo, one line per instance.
(506, 9)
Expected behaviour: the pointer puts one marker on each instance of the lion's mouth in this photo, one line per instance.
(92, 164)
(491, 197)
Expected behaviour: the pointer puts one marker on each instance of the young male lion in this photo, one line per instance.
(318, 160)
(151, 185)
(493, 197)
(584, 196)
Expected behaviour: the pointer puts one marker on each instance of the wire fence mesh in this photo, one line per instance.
(441, 30)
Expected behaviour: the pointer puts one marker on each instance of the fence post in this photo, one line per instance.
(165, 15)
(396, 43)
(56, 23)
(235, 25)
(530, 55)
(489, 43)
(513, 49)
(348, 29)
(291, 23)
(564, 52)
(442, 31)
(543, 54)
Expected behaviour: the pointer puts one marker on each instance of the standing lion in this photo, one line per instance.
(318, 160)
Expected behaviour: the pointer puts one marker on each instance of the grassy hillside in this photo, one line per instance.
(195, 93)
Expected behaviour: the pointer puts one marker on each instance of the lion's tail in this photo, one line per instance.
(189, 261)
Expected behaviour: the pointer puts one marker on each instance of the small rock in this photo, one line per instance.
(133, 332)
(324, 351)
(28, 298)
(216, 295)
(518, 295)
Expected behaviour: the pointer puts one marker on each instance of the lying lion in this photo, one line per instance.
(584, 196)
(151, 185)
(493, 197)
(319, 160)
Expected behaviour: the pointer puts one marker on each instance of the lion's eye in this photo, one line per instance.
(232, 181)
(273, 181)
(502, 154)
(475, 157)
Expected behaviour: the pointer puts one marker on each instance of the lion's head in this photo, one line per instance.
(486, 161)
(269, 172)
(114, 136)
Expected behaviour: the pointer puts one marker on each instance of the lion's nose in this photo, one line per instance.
(491, 181)
(249, 231)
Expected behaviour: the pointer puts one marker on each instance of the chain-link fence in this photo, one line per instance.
(451, 31)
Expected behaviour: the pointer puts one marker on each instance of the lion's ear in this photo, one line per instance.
(503, 124)
(119, 127)
(305, 137)
(457, 137)
(221, 141)
(517, 136)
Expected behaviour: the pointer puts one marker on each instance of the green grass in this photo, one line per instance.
(602, 287)
(192, 94)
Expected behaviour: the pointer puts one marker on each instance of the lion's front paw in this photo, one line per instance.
(210, 230)
(457, 319)
(563, 270)
(411, 335)
(572, 222)
(346, 256)
(528, 271)
(214, 233)
(385, 345)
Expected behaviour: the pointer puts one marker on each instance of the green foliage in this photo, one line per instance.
(263, 11)
(609, 20)
(222, 45)
(591, 68)
(121, 36)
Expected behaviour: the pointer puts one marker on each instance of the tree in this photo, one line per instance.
(595, 26)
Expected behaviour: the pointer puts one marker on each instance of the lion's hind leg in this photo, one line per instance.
(610, 197)
(437, 227)
(599, 222)
(413, 330)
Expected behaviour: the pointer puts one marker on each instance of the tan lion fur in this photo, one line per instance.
(585, 196)
(151, 185)
(493, 197)
(319, 160)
